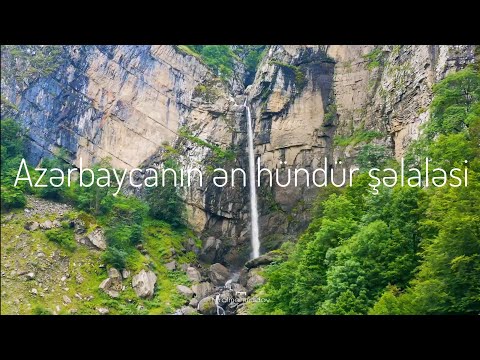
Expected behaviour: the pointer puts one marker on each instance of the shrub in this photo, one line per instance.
(372, 155)
(115, 257)
(12, 198)
(62, 237)
(164, 201)
(40, 310)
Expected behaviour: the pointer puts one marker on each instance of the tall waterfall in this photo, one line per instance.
(253, 189)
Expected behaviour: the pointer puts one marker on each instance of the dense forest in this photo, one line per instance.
(403, 251)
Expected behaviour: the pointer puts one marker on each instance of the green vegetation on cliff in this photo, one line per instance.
(221, 58)
(405, 250)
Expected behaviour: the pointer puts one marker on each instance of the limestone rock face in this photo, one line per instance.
(128, 102)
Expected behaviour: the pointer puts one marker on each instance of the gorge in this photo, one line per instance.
(195, 108)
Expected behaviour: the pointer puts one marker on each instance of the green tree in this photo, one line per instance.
(12, 147)
(164, 201)
(456, 102)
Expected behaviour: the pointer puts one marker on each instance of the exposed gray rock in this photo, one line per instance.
(210, 249)
(113, 293)
(193, 274)
(103, 311)
(187, 310)
(30, 276)
(105, 284)
(66, 299)
(125, 273)
(34, 291)
(193, 303)
(96, 239)
(207, 306)
(254, 280)
(114, 274)
(265, 259)
(218, 274)
(79, 226)
(56, 223)
(79, 279)
(243, 277)
(239, 289)
(31, 225)
(8, 217)
(144, 283)
(203, 289)
(172, 265)
(185, 291)
(113, 284)
(191, 246)
(47, 225)
(226, 297)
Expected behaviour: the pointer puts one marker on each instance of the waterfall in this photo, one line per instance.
(253, 189)
(220, 310)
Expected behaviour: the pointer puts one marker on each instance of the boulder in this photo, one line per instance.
(30, 276)
(203, 290)
(105, 284)
(210, 250)
(125, 273)
(185, 291)
(266, 259)
(193, 303)
(113, 284)
(239, 290)
(103, 311)
(207, 306)
(191, 246)
(172, 265)
(113, 293)
(218, 274)
(243, 276)
(115, 275)
(144, 284)
(31, 225)
(226, 297)
(97, 239)
(184, 267)
(79, 226)
(79, 279)
(66, 300)
(187, 310)
(47, 225)
(56, 223)
(254, 280)
(193, 274)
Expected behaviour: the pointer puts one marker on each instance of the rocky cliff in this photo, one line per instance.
(135, 103)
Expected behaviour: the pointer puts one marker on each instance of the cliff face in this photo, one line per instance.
(129, 102)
